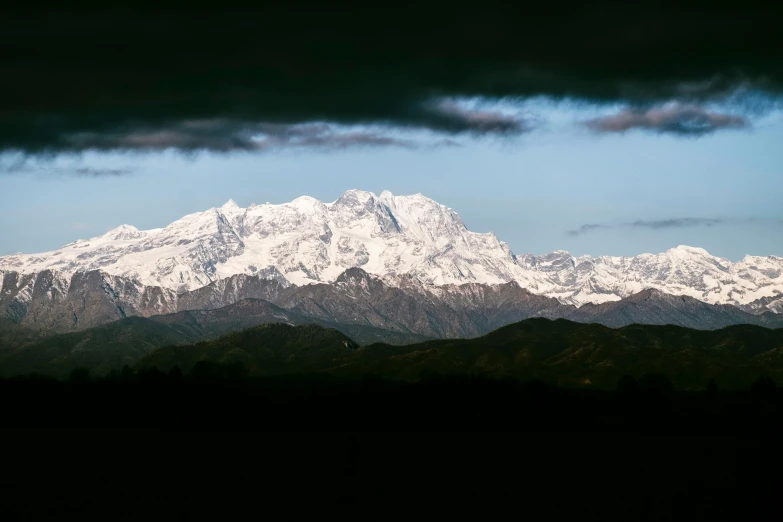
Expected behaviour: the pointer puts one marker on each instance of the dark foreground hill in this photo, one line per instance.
(119, 343)
(560, 352)
(270, 349)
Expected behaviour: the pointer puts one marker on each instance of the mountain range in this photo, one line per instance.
(397, 238)
(392, 268)
(358, 305)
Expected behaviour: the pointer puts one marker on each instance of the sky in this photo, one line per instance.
(563, 146)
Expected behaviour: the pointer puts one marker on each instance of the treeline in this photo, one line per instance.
(215, 396)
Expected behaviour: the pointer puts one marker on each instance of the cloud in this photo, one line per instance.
(673, 118)
(455, 118)
(586, 228)
(136, 75)
(662, 224)
(678, 223)
(93, 172)
(218, 135)
(48, 166)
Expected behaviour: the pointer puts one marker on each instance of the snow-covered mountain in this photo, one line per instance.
(406, 240)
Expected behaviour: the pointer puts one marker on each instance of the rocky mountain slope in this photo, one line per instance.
(405, 240)
(354, 300)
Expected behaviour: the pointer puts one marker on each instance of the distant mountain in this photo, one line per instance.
(402, 239)
(558, 351)
(655, 307)
(772, 303)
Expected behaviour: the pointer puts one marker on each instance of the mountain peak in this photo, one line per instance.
(647, 293)
(353, 197)
(229, 205)
(123, 232)
(690, 250)
(124, 228)
(365, 194)
(353, 275)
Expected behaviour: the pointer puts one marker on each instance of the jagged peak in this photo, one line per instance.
(360, 192)
(352, 275)
(650, 292)
(349, 196)
(229, 205)
(654, 293)
(123, 232)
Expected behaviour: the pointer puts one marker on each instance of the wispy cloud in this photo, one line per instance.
(218, 135)
(590, 227)
(678, 223)
(670, 223)
(93, 172)
(672, 118)
(47, 166)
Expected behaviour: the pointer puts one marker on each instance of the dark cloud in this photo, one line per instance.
(660, 224)
(458, 119)
(133, 75)
(674, 118)
(223, 136)
(590, 227)
(678, 223)
(47, 166)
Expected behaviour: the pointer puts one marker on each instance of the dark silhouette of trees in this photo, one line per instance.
(236, 371)
(657, 385)
(712, 390)
(205, 370)
(175, 374)
(151, 375)
(628, 385)
(763, 390)
(80, 376)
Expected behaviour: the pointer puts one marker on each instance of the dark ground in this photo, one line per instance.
(183, 448)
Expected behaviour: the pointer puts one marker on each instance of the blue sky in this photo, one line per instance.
(530, 189)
